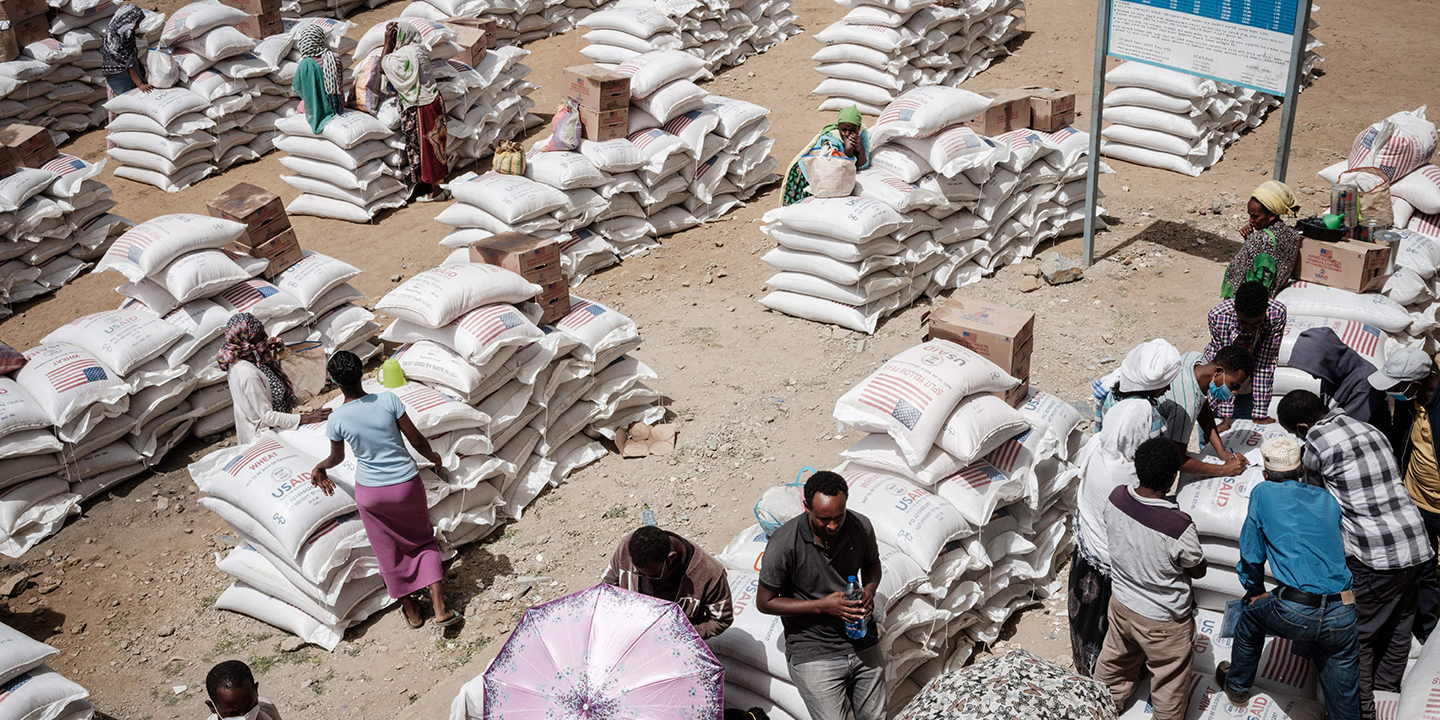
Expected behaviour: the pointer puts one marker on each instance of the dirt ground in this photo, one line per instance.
(125, 590)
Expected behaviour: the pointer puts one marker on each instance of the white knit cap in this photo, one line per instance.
(1282, 453)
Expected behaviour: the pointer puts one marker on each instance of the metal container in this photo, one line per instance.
(1345, 202)
(1392, 239)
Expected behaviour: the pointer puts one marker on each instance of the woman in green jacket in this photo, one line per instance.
(317, 79)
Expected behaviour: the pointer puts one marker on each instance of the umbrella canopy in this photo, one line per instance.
(1014, 685)
(604, 654)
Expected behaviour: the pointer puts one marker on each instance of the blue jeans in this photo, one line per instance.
(120, 84)
(1329, 632)
(829, 685)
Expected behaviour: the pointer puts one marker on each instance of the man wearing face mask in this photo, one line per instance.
(1386, 548)
(1187, 405)
(233, 694)
(1255, 322)
(1409, 378)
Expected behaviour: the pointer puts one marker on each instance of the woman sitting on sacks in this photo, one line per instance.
(1271, 247)
(259, 390)
(317, 78)
(846, 138)
(407, 70)
(388, 491)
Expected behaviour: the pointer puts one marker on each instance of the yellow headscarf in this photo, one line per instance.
(1277, 198)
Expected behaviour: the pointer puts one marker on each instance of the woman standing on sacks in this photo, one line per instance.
(261, 393)
(407, 70)
(317, 78)
(119, 58)
(388, 490)
(1106, 462)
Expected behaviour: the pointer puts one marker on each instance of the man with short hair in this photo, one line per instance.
(1185, 406)
(1296, 528)
(803, 577)
(664, 565)
(1154, 554)
(1386, 547)
(1255, 322)
(231, 693)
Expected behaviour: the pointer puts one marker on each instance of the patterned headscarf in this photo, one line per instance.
(117, 52)
(245, 339)
(313, 43)
(407, 68)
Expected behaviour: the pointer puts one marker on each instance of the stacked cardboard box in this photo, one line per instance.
(604, 98)
(535, 259)
(25, 23)
(264, 17)
(1003, 335)
(474, 36)
(268, 234)
(25, 146)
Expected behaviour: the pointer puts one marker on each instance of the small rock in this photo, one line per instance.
(49, 587)
(647, 276)
(1125, 188)
(1264, 171)
(1106, 360)
(180, 689)
(166, 631)
(1029, 283)
(78, 628)
(14, 584)
(1030, 269)
(1108, 340)
(1058, 269)
(396, 277)
(291, 644)
(162, 504)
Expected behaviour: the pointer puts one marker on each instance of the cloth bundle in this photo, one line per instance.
(1167, 119)
(720, 34)
(58, 221)
(883, 48)
(993, 489)
(939, 207)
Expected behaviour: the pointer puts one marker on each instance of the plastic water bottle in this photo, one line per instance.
(855, 629)
(647, 516)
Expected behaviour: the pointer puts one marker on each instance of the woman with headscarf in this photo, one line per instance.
(1271, 247)
(1146, 372)
(317, 78)
(388, 491)
(119, 58)
(1107, 461)
(407, 71)
(260, 391)
(845, 138)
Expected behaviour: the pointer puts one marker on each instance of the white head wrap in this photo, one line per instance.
(1152, 365)
(1106, 462)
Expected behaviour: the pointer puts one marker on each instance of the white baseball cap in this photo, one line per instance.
(1406, 364)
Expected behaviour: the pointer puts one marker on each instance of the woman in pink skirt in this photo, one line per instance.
(388, 490)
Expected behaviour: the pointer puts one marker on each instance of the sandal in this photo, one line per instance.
(447, 622)
(418, 621)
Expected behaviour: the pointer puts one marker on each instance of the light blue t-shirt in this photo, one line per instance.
(369, 426)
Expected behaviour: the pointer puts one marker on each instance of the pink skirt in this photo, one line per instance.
(398, 524)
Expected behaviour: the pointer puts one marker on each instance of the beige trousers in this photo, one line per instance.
(1166, 648)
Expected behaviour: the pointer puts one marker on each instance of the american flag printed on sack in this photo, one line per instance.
(581, 313)
(680, 123)
(13, 685)
(248, 294)
(75, 372)
(1283, 666)
(255, 452)
(643, 138)
(901, 110)
(65, 164)
(488, 323)
(419, 397)
(978, 475)
(1428, 225)
(897, 396)
(1362, 338)
(132, 245)
(1006, 457)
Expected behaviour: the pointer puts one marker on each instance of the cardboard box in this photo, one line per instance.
(1348, 265)
(7, 165)
(596, 88)
(1050, 109)
(282, 251)
(554, 302)
(22, 33)
(261, 26)
(602, 125)
(27, 145)
(1003, 335)
(1009, 111)
(1016, 396)
(16, 10)
(475, 37)
(261, 210)
(522, 254)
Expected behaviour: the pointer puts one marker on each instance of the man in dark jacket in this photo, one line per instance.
(1343, 374)
(664, 565)
(1409, 378)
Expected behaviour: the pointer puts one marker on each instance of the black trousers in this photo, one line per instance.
(1386, 605)
(1429, 611)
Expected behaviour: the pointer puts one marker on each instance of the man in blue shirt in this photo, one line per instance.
(1297, 528)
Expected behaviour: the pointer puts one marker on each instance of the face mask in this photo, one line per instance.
(1157, 422)
(1399, 397)
(1220, 393)
(263, 710)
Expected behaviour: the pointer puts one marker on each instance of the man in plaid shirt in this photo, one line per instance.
(1386, 547)
(1255, 322)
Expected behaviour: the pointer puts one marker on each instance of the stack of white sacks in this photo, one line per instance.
(1178, 122)
(610, 200)
(988, 492)
(351, 171)
(512, 409)
(33, 690)
(57, 219)
(1401, 147)
(721, 34)
(939, 207)
(882, 48)
(516, 23)
(325, 9)
(56, 82)
(177, 269)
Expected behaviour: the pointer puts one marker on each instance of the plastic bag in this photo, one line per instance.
(829, 176)
(509, 158)
(304, 363)
(782, 503)
(565, 126)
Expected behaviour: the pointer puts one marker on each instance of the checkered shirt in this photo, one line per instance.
(1264, 345)
(1353, 460)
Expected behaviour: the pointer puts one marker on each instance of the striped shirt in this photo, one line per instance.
(1181, 404)
(1383, 529)
(1264, 344)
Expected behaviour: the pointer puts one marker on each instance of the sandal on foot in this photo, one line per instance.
(447, 622)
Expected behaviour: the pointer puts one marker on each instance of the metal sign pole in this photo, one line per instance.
(1097, 110)
(1292, 89)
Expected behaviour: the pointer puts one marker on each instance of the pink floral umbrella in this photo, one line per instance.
(604, 654)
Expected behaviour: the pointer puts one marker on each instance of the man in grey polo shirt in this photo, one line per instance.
(802, 579)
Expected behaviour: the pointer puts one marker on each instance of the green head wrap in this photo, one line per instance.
(850, 115)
